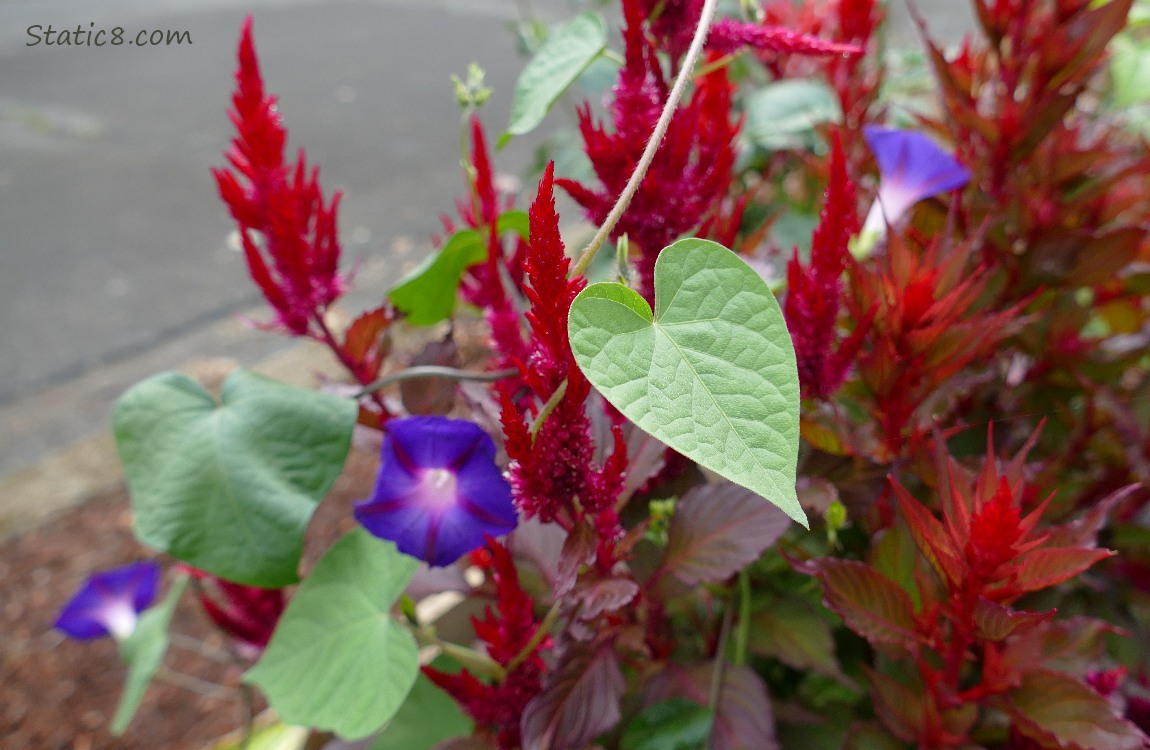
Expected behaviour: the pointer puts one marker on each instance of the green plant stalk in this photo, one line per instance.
(537, 637)
(743, 630)
(720, 666)
(624, 200)
(476, 661)
(548, 407)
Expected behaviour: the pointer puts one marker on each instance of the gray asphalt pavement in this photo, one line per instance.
(112, 241)
(111, 237)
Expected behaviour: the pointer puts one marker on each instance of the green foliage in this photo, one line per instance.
(427, 295)
(337, 661)
(229, 487)
(559, 62)
(674, 724)
(711, 373)
(143, 651)
(784, 114)
(412, 727)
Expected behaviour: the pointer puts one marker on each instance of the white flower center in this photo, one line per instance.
(439, 488)
(120, 618)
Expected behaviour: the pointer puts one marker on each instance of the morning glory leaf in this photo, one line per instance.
(229, 487)
(558, 63)
(427, 295)
(785, 114)
(711, 372)
(410, 728)
(337, 661)
(143, 651)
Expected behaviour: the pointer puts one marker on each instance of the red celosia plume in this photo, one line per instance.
(691, 171)
(814, 292)
(729, 35)
(485, 284)
(497, 708)
(551, 469)
(289, 234)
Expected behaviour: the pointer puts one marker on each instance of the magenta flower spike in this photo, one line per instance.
(110, 602)
(911, 167)
(438, 491)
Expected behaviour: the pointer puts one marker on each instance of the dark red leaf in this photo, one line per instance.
(1102, 255)
(367, 339)
(578, 550)
(579, 701)
(717, 529)
(605, 596)
(870, 604)
(536, 545)
(1071, 645)
(997, 623)
(901, 709)
(869, 737)
(797, 635)
(930, 536)
(1055, 709)
(1042, 568)
(431, 395)
(1083, 532)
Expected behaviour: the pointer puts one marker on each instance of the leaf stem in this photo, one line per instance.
(624, 200)
(743, 630)
(537, 637)
(247, 697)
(548, 407)
(435, 371)
(474, 660)
(206, 650)
(190, 683)
(720, 666)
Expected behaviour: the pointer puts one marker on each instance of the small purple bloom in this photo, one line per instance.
(110, 602)
(438, 491)
(911, 168)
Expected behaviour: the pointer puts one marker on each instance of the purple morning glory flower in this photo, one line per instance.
(110, 602)
(438, 491)
(911, 168)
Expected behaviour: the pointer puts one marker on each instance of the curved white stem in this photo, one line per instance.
(624, 200)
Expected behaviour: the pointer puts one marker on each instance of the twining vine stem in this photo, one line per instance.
(624, 200)
(435, 371)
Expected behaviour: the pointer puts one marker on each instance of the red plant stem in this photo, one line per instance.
(327, 338)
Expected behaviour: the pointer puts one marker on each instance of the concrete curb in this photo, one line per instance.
(39, 479)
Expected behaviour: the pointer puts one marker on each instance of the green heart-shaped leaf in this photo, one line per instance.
(229, 487)
(558, 64)
(337, 661)
(712, 373)
(143, 651)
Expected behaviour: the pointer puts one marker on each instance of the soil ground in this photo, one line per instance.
(59, 694)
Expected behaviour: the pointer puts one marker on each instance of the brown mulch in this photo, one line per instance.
(56, 693)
